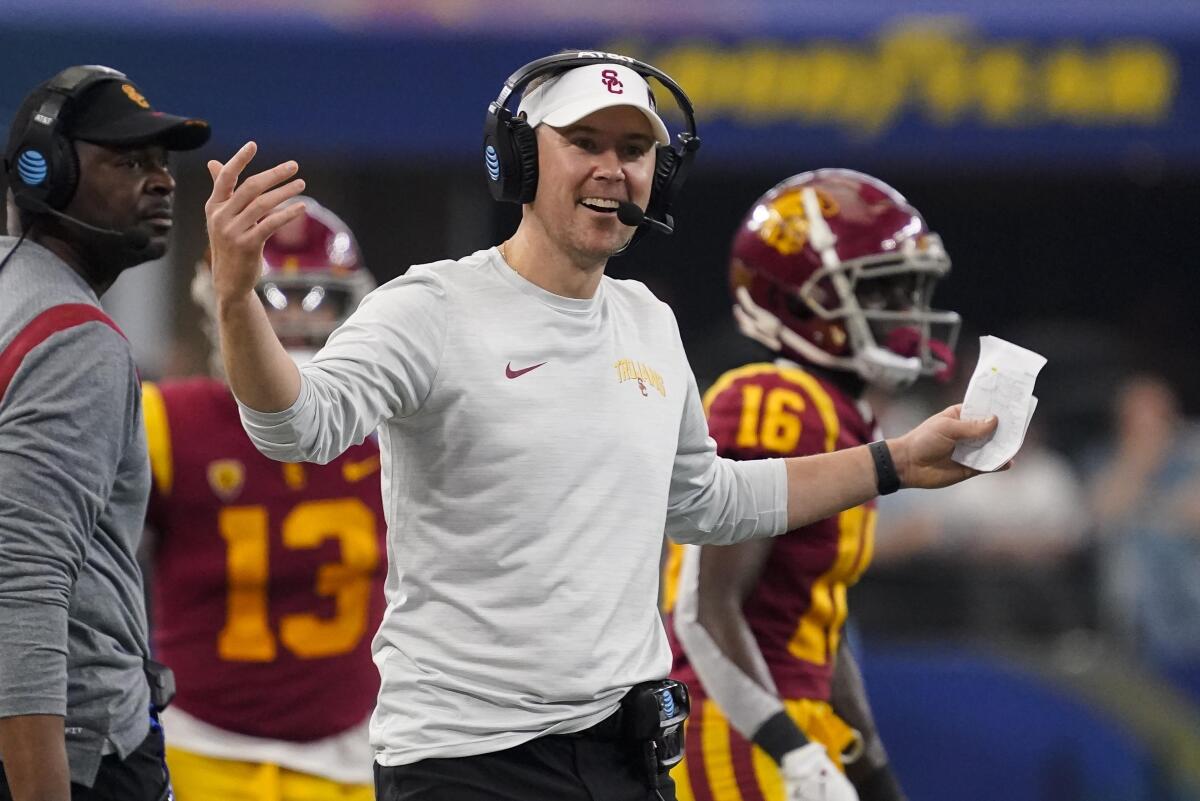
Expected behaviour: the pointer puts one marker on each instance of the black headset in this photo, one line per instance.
(43, 167)
(510, 145)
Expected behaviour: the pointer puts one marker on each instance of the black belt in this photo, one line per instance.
(609, 729)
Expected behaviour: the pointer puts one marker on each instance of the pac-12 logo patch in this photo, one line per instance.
(226, 477)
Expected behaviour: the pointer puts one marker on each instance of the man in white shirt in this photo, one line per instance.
(540, 429)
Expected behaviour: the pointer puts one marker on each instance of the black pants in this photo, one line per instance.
(141, 776)
(590, 766)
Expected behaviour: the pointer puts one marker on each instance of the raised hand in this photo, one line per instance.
(922, 456)
(242, 218)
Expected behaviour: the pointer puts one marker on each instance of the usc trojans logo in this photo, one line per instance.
(610, 79)
(135, 95)
(226, 477)
(782, 223)
(644, 374)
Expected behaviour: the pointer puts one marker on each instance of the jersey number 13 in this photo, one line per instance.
(247, 635)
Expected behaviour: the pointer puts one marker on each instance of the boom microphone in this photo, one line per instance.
(634, 215)
(132, 239)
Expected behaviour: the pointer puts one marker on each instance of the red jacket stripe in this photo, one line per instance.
(41, 328)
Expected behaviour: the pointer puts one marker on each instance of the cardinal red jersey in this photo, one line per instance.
(268, 577)
(798, 607)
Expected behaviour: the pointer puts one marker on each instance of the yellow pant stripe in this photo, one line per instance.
(714, 744)
(815, 718)
(770, 780)
(683, 782)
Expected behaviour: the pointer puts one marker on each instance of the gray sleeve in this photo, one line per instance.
(380, 364)
(746, 704)
(718, 501)
(66, 419)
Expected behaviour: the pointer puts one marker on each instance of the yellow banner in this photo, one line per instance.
(938, 70)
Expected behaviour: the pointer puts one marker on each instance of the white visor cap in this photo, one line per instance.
(566, 99)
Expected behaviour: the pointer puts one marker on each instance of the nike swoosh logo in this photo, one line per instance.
(511, 373)
(357, 471)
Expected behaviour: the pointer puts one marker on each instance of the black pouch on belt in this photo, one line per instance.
(162, 683)
(652, 715)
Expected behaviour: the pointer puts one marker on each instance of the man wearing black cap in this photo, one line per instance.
(90, 195)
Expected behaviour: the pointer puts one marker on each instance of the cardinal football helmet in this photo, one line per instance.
(313, 278)
(836, 269)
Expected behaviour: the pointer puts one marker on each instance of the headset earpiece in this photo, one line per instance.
(510, 156)
(64, 173)
(43, 167)
(666, 164)
(497, 153)
(525, 148)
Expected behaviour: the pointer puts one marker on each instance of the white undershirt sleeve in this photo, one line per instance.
(746, 704)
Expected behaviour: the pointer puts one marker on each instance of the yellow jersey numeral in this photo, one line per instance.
(247, 635)
(775, 425)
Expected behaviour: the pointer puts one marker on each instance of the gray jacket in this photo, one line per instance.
(74, 481)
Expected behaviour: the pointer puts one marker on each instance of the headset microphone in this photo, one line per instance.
(132, 239)
(634, 215)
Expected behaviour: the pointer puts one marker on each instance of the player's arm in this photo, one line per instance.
(240, 220)
(721, 647)
(34, 751)
(714, 584)
(823, 485)
(871, 773)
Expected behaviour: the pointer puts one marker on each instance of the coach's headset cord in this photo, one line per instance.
(10, 253)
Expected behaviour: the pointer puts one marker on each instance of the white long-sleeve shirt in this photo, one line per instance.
(535, 448)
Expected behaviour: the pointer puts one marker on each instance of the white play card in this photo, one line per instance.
(1002, 385)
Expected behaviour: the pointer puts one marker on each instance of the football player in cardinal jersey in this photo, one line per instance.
(267, 576)
(834, 271)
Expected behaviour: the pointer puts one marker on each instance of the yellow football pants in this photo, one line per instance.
(202, 778)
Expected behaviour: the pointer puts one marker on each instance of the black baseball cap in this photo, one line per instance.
(115, 113)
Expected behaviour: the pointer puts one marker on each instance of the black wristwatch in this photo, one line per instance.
(887, 480)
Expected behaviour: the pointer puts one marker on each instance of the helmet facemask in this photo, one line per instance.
(303, 312)
(312, 281)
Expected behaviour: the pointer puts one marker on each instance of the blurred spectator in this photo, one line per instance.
(1145, 495)
(1031, 517)
(1002, 557)
(1000, 560)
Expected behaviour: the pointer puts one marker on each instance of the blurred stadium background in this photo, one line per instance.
(1054, 144)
